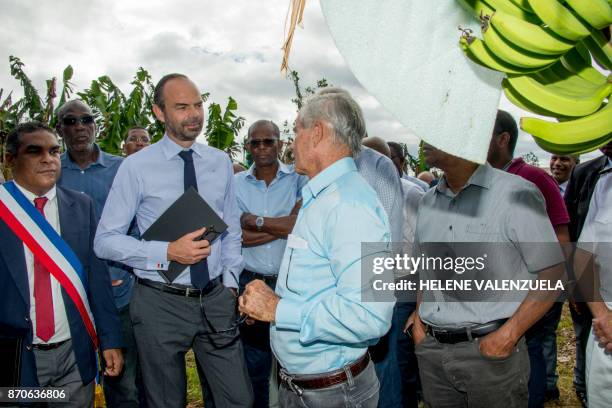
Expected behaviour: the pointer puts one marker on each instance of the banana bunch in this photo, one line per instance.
(546, 49)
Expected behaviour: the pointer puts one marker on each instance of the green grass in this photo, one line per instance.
(565, 366)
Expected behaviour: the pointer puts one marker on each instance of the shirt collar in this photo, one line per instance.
(171, 149)
(327, 177)
(67, 161)
(282, 169)
(481, 177)
(31, 196)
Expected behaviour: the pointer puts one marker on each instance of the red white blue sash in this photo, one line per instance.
(46, 244)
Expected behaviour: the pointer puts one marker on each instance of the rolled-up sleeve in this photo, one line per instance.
(112, 241)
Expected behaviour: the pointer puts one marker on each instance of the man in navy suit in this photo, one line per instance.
(57, 349)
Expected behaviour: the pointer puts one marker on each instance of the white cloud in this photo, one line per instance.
(228, 48)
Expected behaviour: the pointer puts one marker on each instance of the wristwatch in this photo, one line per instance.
(259, 222)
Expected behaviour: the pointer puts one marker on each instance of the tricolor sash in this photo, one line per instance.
(48, 246)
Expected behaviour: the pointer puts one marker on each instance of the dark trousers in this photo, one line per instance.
(582, 328)
(459, 375)
(167, 326)
(123, 391)
(549, 346)
(406, 359)
(256, 344)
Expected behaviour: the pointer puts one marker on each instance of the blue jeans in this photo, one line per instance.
(257, 352)
(535, 339)
(360, 391)
(384, 355)
(582, 328)
(406, 359)
(549, 346)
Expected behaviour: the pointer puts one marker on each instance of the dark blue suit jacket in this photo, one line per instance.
(78, 228)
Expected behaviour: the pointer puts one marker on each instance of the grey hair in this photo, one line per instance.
(337, 109)
(62, 110)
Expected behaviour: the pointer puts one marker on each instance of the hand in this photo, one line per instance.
(296, 207)
(497, 344)
(259, 301)
(602, 328)
(247, 221)
(116, 282)
(114, 362)
(417, 328)
(189, 249)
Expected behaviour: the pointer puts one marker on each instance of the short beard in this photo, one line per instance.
(180, 134)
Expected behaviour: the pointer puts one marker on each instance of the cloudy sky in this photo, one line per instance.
(230, 48)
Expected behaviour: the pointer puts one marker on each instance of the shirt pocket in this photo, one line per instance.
(482, 232)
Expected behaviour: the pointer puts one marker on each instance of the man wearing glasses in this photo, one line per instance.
(320, 326)
(86, 168)
(268, 196)
(197, 310)
(137, 138)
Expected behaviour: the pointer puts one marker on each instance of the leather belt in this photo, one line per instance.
(328, 379)
(459, 335)
(180, 291)
(268, 279)
(49, 346)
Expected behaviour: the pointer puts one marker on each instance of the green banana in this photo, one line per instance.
(583, 130)
(573, 62)
(476, 50)
(559, 76)
(524, 4)
(577, 149)
(478, 7)
(511, 8)
(519, 101)
(598, 53)
(559, 99)
(598, 13)
(513, 54)
(530, 37)
(559, 19)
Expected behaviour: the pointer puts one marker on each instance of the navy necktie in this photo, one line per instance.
(199, 271)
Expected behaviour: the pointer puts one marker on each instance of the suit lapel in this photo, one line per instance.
(11, 250)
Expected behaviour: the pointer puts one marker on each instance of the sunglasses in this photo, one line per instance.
(85, 120)
(265, 142)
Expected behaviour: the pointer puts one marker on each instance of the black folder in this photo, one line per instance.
(187, 214)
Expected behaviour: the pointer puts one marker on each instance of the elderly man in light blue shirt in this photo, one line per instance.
(321, 328)
(198, 309)
(268, 195)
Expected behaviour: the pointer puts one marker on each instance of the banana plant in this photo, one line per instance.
(222, 127)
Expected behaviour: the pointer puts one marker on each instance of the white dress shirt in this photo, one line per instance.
(62, 328)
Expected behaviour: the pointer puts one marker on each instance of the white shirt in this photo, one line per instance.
(563, 186)
(596, 235)
(62, 328)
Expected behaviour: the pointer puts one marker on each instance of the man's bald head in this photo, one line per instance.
(378, 144)
(426, 176)
(75, 104)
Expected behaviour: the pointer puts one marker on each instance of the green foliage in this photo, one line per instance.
(531, 158)
(222, 128)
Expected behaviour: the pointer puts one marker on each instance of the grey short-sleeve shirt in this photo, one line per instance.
(493, 207)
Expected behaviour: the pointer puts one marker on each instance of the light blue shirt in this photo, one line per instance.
(147, 183)
(274, 200)
(381, 174)
(96, 180)
(321, 322)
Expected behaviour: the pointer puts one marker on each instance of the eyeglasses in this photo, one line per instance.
(71, 121)
(142, 139)
(265, 142)
(240, 318)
